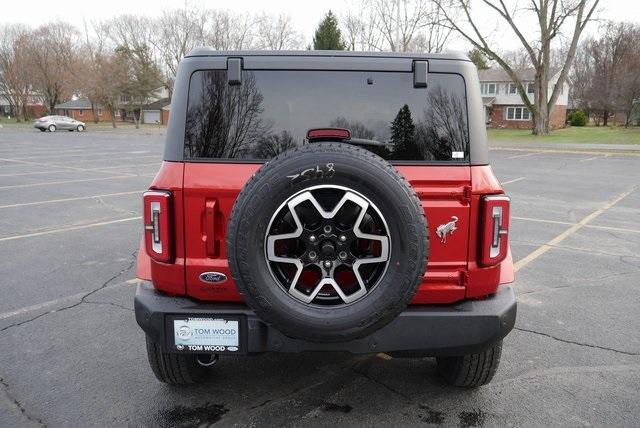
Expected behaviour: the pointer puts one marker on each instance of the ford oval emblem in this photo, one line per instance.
(213, 277)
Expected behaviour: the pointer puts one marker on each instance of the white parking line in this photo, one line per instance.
(56, 302)
(515, 180)
(561, 237)
(96, 169)
(524, 156)
(82, 180)
(79, 198)
(67, 229)
(71, 155)
(566, 223)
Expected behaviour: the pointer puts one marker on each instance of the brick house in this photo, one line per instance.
(81, 110)
(34, 107)
(504, 107)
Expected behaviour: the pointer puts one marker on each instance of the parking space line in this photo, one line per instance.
(566, 223)
(524, 156)
(539, 220)
(566, 151)
(97, 169)
(74, 168)
(54, 302)
(70, 228)
(82, 180)
(72, 155)
(79, 198)
(515, 180)
(20, 174)
(561, 237)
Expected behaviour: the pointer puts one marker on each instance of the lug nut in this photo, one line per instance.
(342, 255)
(312, 238)
(327, 264)
(327, 229)
(312, 255)
(342, 238)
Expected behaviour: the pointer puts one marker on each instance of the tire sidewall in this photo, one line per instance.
(362, 174)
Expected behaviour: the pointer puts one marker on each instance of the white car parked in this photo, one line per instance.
(53, 123)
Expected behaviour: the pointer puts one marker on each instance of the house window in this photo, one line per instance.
(531, 88)
(99, 112)
(117, 113)
(512, 88)
(518, 113)
(80, 112)
(489, 89)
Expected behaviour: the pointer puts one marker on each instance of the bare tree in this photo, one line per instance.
(602, 69)
(361, 30)
(553, 18)
(15, 79)
(176, 32)
(397, 26)
(277, 33)
(229, 31)
(52, 51)
(627, 84)
(141, 79)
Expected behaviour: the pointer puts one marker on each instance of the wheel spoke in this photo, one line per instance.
(329, 216)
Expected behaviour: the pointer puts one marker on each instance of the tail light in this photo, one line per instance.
(494, 239)
(328, 133)
(158, 225)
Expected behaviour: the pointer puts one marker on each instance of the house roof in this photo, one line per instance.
(157, 105)
(499, 75)
(80, 104)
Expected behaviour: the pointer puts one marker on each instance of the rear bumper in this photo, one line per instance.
(464, 328)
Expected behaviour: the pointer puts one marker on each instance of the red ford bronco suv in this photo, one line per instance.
(325, 201)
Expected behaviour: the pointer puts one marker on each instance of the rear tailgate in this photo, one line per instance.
(210, 190)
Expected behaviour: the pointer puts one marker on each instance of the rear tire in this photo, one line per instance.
(42, 129)
(80, 128)
(471, 370)
(174, 369)
(52, 128)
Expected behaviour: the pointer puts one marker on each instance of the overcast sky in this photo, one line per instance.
(306, 14)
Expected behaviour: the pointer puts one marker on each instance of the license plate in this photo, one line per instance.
(206, 335)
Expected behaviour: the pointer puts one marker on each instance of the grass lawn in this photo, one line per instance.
(583, 135)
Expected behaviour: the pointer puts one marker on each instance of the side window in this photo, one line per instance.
(531, 89)
(271, 111)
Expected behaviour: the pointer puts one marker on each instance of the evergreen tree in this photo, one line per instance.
(403, 136)
(478, 58)
(328, 36)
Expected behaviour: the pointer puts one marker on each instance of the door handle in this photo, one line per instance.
(210, 227)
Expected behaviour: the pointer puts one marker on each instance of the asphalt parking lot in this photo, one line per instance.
(71, 353)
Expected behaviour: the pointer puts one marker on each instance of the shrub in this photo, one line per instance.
(577, 118)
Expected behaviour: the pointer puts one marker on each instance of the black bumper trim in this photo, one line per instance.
(463, 328)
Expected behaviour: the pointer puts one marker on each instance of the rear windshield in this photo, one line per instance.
(271, 111)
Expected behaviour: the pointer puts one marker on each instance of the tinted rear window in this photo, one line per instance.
(271, 111)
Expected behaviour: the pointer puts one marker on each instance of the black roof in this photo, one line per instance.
(208, 51)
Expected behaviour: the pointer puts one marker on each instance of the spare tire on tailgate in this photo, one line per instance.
(327, 242)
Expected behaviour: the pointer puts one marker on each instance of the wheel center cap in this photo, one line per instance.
(328, 250)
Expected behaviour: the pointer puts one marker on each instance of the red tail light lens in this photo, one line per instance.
(494, 234)
(158, 225)
(330, 133)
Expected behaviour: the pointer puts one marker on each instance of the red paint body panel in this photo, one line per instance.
(203, 205)
(143, 265)
(169, 277)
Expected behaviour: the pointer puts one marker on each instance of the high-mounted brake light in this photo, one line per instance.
(328, 133)
(494, 239)
(158, 225)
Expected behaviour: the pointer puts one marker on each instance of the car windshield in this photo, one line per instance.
(271, 111)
